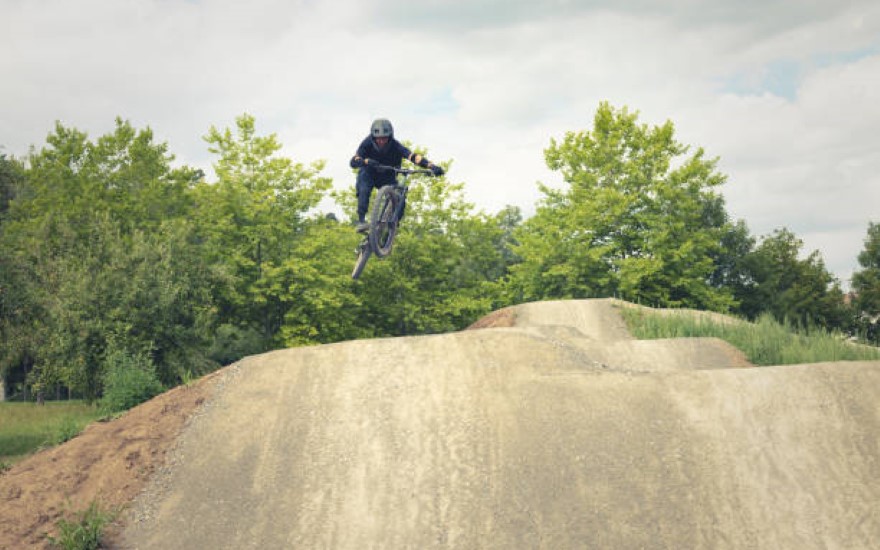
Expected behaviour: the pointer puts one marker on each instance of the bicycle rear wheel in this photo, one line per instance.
(363, 252)
(384, 225)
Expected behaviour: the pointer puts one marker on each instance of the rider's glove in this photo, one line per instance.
(437, 170)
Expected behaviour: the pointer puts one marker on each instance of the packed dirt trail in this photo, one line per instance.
(550, 428)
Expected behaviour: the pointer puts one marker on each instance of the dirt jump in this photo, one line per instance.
(548, 426)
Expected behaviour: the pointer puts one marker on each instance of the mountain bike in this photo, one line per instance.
(384, 218)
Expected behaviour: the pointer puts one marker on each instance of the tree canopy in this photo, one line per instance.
(866, 286)
(639, 217)
(114, 259)
(779, 281)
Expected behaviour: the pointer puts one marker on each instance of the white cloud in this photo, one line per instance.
(782, 91)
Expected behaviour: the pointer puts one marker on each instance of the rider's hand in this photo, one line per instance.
(437, 170)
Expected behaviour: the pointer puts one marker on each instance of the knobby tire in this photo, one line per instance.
(384, 225)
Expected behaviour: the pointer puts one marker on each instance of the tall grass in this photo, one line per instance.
(26, 427)
(764, 342)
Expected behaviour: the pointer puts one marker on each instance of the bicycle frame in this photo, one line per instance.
(402, 190)
(370, 244)
(402, 186)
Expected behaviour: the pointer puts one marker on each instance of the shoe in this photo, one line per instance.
(362, 227)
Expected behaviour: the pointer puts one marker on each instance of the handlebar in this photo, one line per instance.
(404, 171)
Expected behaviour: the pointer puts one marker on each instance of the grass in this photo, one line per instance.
(27, 427)
(764, 342)
(84, 530)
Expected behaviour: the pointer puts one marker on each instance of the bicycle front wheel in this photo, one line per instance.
(384, 223)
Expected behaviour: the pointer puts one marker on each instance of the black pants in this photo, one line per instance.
(367, 180)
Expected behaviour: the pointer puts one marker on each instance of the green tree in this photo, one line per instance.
(36, 237)
(124, 173)
(792, 289)
(252, 220)
(17, 310)
(146, 294)
(104, 252)
(639, 218)
(325, 305)
(137, 181)
(866, 286)
(508, 221)
(162, 299)
(11, 178)
(16, 314)
(730, 269)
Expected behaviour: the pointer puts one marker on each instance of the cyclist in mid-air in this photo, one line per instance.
(380, 148)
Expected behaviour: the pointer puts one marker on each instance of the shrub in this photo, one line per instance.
(129, 379)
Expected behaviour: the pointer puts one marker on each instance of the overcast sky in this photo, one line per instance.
(784, 92)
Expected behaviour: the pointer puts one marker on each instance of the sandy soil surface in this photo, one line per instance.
(550, 427)
(109, 461)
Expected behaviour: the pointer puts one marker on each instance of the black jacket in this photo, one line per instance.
(391, 155)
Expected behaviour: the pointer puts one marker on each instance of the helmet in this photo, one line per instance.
(381, 128)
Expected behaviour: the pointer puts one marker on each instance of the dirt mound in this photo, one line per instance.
(550, 427)
(597, 330)
(534, 433)
(502, 318)
(109, 461)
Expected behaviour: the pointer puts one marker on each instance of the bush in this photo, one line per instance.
(129, 379)
(67, 429)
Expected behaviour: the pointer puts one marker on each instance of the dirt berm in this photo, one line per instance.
(554, 430)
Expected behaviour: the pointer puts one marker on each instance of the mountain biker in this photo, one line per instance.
(380, 148)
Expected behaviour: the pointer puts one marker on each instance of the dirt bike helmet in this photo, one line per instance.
(381, 128)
